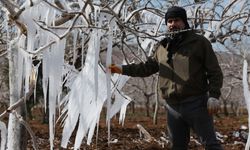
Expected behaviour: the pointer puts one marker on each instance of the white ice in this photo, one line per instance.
(85, 104)
(3, 138)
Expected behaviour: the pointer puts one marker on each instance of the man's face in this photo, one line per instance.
(174, 24)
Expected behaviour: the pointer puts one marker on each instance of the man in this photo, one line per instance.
(190, 80)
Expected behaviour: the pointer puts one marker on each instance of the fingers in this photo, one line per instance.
(213, 109)
(213, 105)
(112, 65)
(115, 69)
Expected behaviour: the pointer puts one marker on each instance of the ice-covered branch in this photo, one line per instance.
(14, 13)
(70, 27)
(12, 109)
(10, 6)
(3, 53)
(21, 101)
(133, 53)
(58, 6)
(135, 12)
(227, 8)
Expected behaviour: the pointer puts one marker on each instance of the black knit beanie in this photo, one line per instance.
(174, 12)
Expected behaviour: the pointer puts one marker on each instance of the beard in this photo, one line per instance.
(174, 32)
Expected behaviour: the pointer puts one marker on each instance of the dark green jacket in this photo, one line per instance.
(187, 67)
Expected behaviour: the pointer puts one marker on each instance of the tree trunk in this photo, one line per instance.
(132, 106)
(155, 118)
(24, 132)
(225, 108)
(156, 109)
(147, 106)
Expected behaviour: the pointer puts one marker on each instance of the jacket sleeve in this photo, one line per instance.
(142, 69)
(213, 70)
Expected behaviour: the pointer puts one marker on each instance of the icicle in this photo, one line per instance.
(81, 132)
(90, 109)
(45, 62)
(8, 43)
(118, 103)
(53, 60)
(92, 127)
(31, 36)
(247, 97)
(34, 75)
(95, 16)
(108, 77)
(55, 82)
(83, 41)
(13, 125)
(3, 130)
(121, 100)
(126, 101)
(97, 52)
(20, 59)
(27, 71)
(73, 111)
(75, 35)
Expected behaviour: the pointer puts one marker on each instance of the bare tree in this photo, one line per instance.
(139, 23)
(232, 89)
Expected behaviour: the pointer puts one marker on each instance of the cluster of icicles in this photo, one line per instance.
(89, 90)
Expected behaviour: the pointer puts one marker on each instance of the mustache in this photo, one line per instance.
(175, 29)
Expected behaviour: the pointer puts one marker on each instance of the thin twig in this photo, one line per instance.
(71, 27)
(41, 48)
(146, 134)
(3, 54)
(26, 125)
(53, 6)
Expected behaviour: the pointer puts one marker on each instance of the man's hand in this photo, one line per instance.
(213, 105)
(115, 68)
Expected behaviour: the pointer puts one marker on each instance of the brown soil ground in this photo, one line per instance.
(128, 137)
